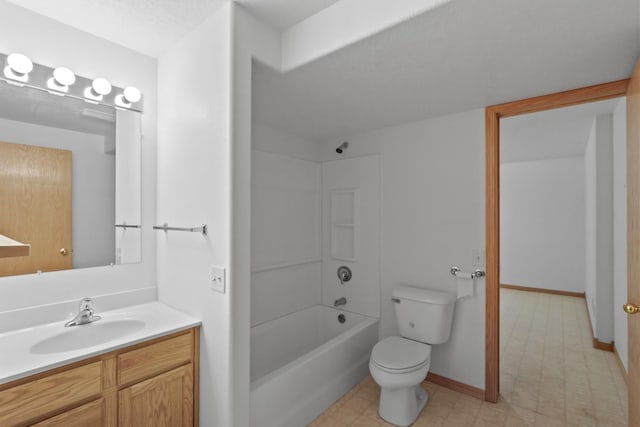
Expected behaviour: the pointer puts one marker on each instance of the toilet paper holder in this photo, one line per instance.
(476, 273)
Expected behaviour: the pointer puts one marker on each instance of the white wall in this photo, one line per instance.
(285, 229)
(194, 187)
(599, 227)
(268, 139)
(53, 44)
(363, 290)
(591, 225)
(432, 218)
(542, 221)
(93, 187)
(343, 23)
(620, 336)
(251, 39)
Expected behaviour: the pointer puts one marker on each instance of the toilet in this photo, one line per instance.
(400, 363)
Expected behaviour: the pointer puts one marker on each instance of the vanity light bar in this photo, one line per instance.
(62, 81)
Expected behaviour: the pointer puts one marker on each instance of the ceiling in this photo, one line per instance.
(151, 26)
(463, 55)
(551, 134)
(146, 26)
(283, 14)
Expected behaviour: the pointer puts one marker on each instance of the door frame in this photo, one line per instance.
(493, 114)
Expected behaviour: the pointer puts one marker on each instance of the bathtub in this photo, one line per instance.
(303, 362)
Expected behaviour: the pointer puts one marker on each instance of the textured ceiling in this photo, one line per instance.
(151, 26)
(466, 54)
(282, 14)
(146, 26)
(550, 134)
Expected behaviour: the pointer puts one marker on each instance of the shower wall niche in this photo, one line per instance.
(345, 221)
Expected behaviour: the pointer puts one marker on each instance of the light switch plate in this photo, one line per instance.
(217, 279)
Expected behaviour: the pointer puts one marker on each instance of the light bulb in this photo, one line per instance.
(19, 63)
(132, 94)
(101, 86)
(64, 76)
(18, 68)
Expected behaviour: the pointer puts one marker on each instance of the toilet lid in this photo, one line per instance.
(400, 353)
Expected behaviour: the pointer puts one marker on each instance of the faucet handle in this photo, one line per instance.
(86, 304)
(344, 274)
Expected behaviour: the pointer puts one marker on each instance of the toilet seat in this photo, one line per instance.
(398, 355)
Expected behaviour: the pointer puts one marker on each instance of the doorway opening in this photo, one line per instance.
(493, 116)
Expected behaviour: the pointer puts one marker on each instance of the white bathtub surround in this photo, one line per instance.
(303, 362)
(19, 357)
(285, 229)
(351, 194)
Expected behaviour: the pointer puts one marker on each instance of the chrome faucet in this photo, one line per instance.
(339, 302)
(85, 314)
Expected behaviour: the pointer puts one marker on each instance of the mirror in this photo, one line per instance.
(69, 181)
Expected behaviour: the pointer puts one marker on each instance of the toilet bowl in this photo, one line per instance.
(399, 365)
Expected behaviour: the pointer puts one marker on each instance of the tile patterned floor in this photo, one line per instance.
(550, 376)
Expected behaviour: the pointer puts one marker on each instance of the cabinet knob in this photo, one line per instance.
(63, 252)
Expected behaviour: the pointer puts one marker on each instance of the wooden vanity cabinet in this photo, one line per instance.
(154, 383)
(166, 398)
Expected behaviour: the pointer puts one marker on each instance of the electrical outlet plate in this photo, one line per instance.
(217, 279)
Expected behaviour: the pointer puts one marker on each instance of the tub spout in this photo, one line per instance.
(339, 302)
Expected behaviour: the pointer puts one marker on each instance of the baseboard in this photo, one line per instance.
(542, 290)
(456, 385)
(600, 345)
(623, 371)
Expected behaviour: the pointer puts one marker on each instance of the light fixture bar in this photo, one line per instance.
(40, 75)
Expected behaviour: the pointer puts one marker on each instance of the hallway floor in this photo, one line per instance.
(550, 376)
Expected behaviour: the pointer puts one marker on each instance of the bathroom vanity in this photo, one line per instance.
(150, 378)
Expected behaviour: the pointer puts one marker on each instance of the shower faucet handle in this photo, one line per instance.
(344, 274)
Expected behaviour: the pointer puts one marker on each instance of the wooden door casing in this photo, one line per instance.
(633, 242)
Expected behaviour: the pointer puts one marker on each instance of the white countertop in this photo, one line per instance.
(17, 360)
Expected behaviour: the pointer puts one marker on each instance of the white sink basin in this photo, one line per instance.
(89, 335)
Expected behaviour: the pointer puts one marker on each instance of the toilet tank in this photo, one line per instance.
(422, 314)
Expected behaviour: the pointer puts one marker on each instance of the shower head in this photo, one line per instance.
(342, 147)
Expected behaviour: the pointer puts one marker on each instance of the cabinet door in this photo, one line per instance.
(89, 414)
(163, 400)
